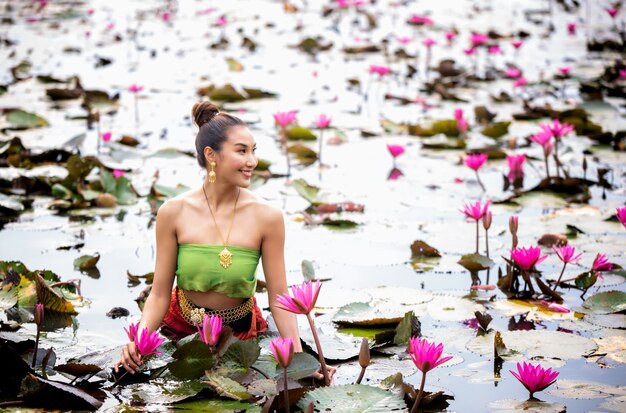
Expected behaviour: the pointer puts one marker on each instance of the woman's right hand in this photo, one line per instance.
(130, 359)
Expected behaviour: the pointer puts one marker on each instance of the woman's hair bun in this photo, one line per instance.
(203, 112)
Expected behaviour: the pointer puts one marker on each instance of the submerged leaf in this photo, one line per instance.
(606, 302)
(227, 387)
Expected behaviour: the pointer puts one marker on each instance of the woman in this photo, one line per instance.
(211, 240)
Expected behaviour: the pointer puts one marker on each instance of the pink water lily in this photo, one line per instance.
(613, 11)
(478, 39)
(420, 20)
(469, 51)
(147, 342)
(429, 42)
(475, 211)
(211, 329)
(117, 173)
(426, 356)
(527, 258)
(450, 35)
(622, 74)
(135, 88)
(566, 253)
(379, 70)
(304, 298)
(495, 49)
(544, 138)
(483, 287)
(282, 350)
(475, 161)
(571, 29)
(564, 70)
(516, 166)
(558, 308)
(534, 378)
(285, 118)
(106, 136)
(322, 121)
(131, 331)
(395, 150)
(39, 315)
(221, 21)
(520, 82)
(517, 43)
(557, 128)
(601, 263)
(512, 72)
(404, 40)
(620, 213)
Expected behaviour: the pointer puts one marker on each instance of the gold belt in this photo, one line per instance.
(195, 315)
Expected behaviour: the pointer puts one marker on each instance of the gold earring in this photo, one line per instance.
(212, 174)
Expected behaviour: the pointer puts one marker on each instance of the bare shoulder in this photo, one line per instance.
(175, 206)
(263, 210)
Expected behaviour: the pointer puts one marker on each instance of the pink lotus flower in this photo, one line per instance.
(478, 39)
(527, 258)
(88, 34)
(512, 72)
(106, 136)
(557, 128)
(147, 343)
(483, 287)
(475, 161)
(117, 173)
(322, 121)
(39, 313)
(621, 215)
(285, 118)
(429, 42)
(613, 11)
(543, 138)
(380, 70)
(450, 36)
(134, 88)
(571, 29)
(395, 150)
(494, 49)
(420, 20)
(470, 51)
(516, 166)
(303, 300)
(517, 43)
(221, 21)
(458, 113)
(425, 355)
(282, 349)
(534, 378)
(404, 40)
(557, 307)
(566, 253)
(475, 211)
(131, 331)
(211, 329)
(601, 263)
(394, 174)
(520, 82)
(109, 26)
(564, 70)
(343, 4)
(166, 17)
(90, 11)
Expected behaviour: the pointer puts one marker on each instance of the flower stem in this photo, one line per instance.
(559, 280)
(419, 395)
(319, 152)
(358, 380)
(286, 391)
(120, 379)
(36, 347)
(319, 349)
(476, 236)
(487, 241)
(480, 182)
(545, 159)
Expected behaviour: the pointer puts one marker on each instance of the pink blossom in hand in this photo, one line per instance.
(475, 161)
(566, 253)
(282, 350)
(571, 29)
(517, 43)
(132, 330)
(285, 118)
(478, 39)
(429, 42)
(601, 263)
(117, 173)
(516, 166)
(147, 343)
(520, 82)
(303, 300)
(106, 136)
(425, 355)
(475, 211)
(527, 258)
(211, 329)
(512, 72)
(380, 70)
(612, 11)
(395, 150)
(134, 88)
(420, 20)
(534, 378)
(620, 213)
(322, 121)
(557, 128)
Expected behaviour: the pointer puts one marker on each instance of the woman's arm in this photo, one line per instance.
(273, 256)
(158, 301)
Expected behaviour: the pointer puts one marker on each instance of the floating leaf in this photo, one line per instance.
(607, 320)
(20, 119)
(192, 360)
(306, 191)
(606, 302)
(586, 280)
(575, 389)
(300, 133)
(10, 204)
(362, 314)
(448, 308)
(243, 352)
(443, 142)
(530, 406)
(496, 130)
(302, 365)
(77, 369)
(8, 297)
(234, 65)
(263, 388)
(227, 387)
(308, 272)
(421, 249)
(53, 394)
(218, 406)
(86, 262)
(476, 262)
(305, 155)
(353, 398)
(50, 299)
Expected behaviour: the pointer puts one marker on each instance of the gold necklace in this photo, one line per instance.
(226, 257)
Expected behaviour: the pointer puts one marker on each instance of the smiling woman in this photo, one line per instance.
(210, 241)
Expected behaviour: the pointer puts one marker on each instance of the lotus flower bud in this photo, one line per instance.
(364, 354)
(39, 314)
(585, 164)
(487, 220)
(513, 223)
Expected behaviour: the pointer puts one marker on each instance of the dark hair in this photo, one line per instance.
(213, 126)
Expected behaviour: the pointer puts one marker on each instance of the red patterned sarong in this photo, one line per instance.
(175, 327)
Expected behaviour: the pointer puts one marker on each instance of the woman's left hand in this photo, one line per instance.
(319, 376)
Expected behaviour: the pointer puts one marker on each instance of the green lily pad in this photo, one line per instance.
(607, 320)
(218, 406)
(226, 387)
(8, 297)
(476, 262)
(420, 248)
(606, 302)
(50, 298)
(362, 314)
(586, 280)
(164, 391)
(306, 191)
(575, 389)
(443, 142)
(300, 133)
(353, 398)
(20, 119)
(192, 360)
(243, 352)
(263, 388)
(302, 365)
(496, 130)
(86, 262)
(449, 308)
(530, 406)
(305, 155)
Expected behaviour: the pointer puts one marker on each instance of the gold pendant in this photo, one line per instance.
(226, 258)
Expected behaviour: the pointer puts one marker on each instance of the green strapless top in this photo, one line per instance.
(198, 269)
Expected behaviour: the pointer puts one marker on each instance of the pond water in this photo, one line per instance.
(172, 58)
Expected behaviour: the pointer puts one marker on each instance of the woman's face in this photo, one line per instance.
(237, 159)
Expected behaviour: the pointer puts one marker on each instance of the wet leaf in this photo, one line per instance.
(226, 387)
(421, 249)
(299, 133)
(8, 297)
(548, 240)
(606, 302)
(263, 388)
(353, 398)
(530, 406)
(410, 326)
(362, 314)
(305, 155)
(243, 352)
(496, 130)
(586, 280)
(443, 142)
(234, 65)
(607, 320)
(20, 119)
(449, 308)
(306, 191)
(105, 201)
(577, 389)
(308, 271)
(192, 360)
(476, 262)
(86, 262)
(77, 369)
(302, 365)
(218, 406)
(10, 203)
(53, 394)
(51, 299)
